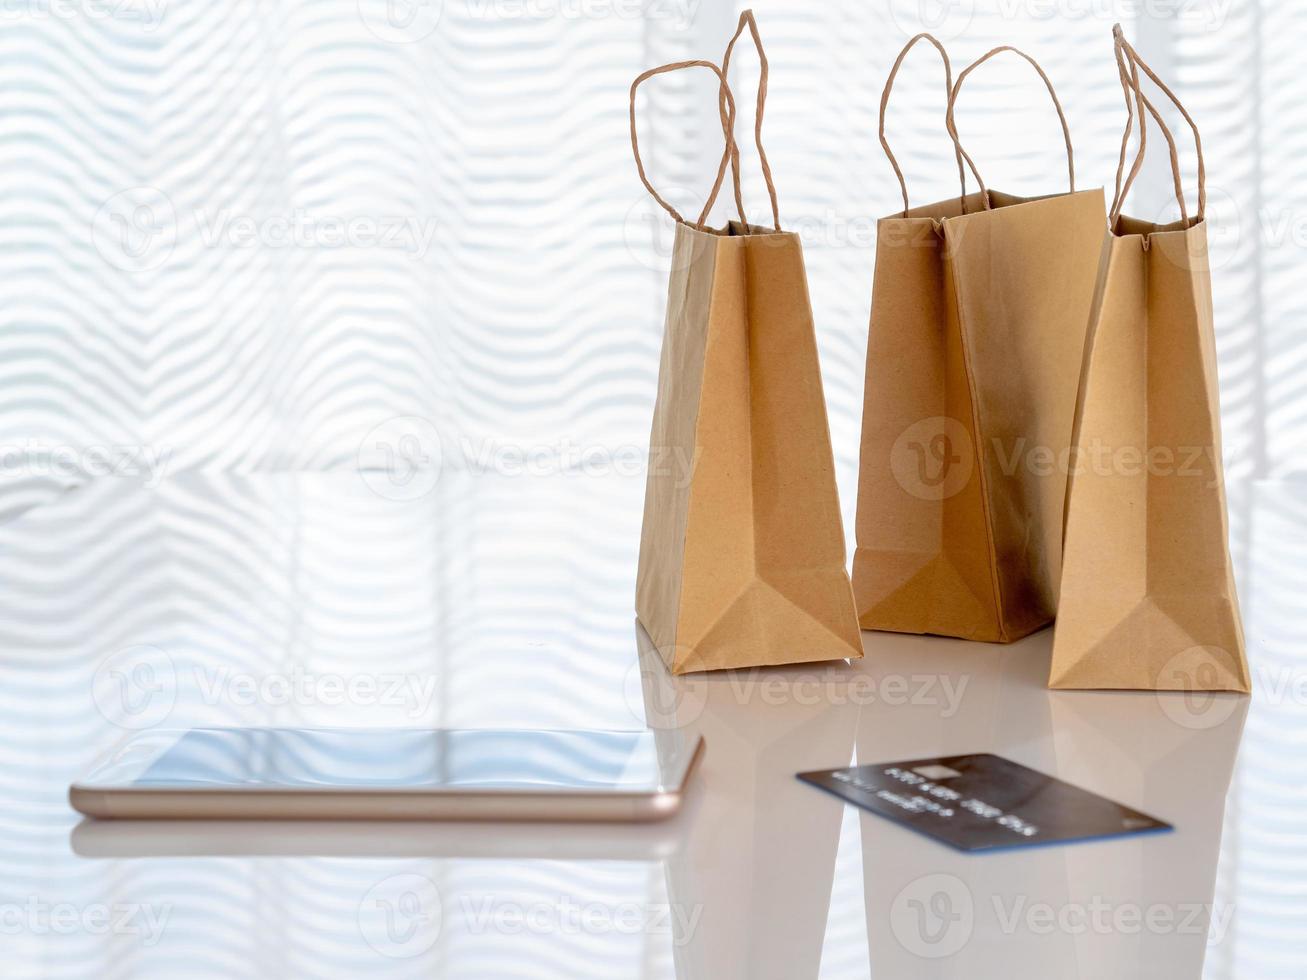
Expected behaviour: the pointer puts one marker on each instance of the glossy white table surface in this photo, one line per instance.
(315, 601)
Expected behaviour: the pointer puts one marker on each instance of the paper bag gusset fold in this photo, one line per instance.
(1148, 596)
(979, 310)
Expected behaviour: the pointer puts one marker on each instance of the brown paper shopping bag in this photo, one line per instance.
(979, 310)
(743, 563)
(1148, 598)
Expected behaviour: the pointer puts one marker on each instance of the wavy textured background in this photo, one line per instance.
(155, 155)
(238, 237)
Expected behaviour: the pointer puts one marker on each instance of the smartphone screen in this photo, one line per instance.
(381, 759)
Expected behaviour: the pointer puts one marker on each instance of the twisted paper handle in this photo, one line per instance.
(1130, 83)
(728, 125)
(953, 129)
(726, 105)
(747, 20)
(884, 102)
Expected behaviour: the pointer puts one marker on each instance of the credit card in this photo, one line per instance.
(983, 802)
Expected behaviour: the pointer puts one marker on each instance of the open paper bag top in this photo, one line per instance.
(731, 150)
(984, 199)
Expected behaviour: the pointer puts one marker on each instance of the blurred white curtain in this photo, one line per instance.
(240, 236)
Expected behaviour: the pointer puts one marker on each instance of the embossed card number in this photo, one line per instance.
(982, 802)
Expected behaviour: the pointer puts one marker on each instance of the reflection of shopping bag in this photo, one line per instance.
(1148, 598)
(1172, 755)
(755, 904)
(977, 331)
(743, 562)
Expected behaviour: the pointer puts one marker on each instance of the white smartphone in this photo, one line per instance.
(391, 774)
